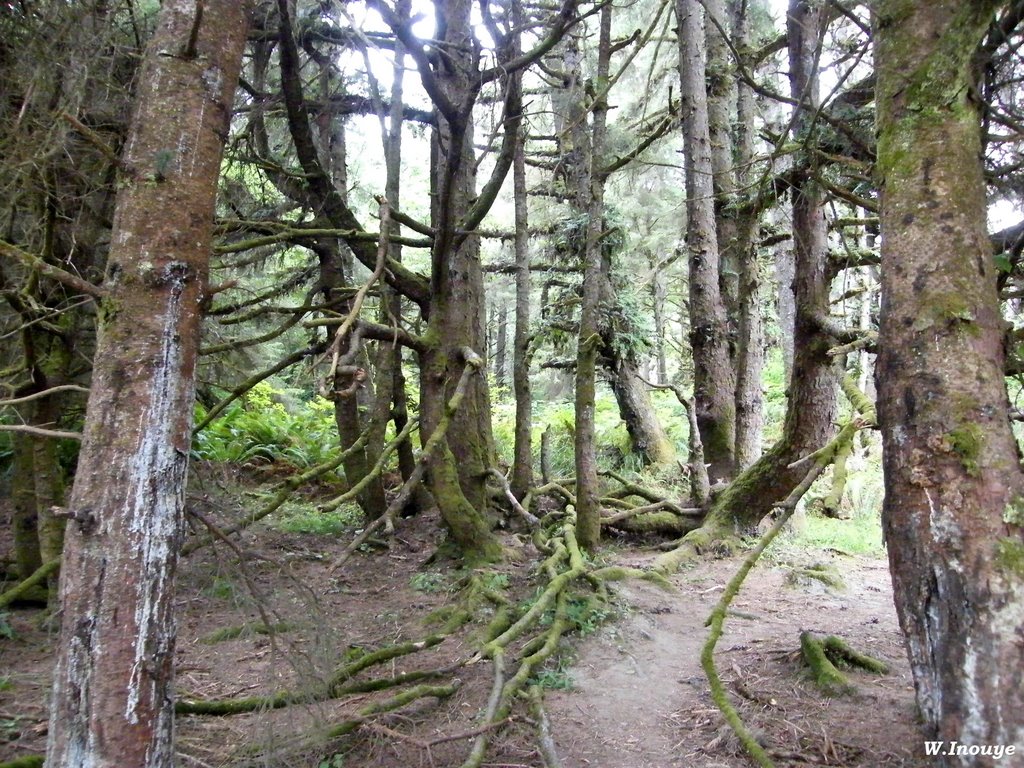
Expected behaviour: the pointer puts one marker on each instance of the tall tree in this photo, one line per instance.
(811, 406)
(954, 491)
(112, 687)
(714, 380)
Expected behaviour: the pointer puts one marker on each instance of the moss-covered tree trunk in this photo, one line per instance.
(458, 470)
(112, 698)
(954, 491)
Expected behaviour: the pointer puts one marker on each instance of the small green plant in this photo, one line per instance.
(222, 589)
(336, 760)
(557, 679)
(428, 581)
(307, 519)
(6, 684)
(587, 615)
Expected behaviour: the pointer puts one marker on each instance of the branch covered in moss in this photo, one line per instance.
(37, 577)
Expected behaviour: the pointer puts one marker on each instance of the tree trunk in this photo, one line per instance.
(522, 462)
(749, 325)
(111, 700)
(23, 496)
(500, 346)
(714, 380)
(954, 491)
(456, 299)
(588, 506)
(637, 411)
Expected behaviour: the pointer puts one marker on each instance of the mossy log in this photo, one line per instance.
(663, 522)
(247, 629)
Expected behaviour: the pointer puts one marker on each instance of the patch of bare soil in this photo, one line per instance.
(639, 695)
(641, 699)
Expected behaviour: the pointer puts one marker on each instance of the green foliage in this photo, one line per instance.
(336, 760)
(429, 582)
(587, 614)
(557, 679)
(615, 448)
(774, 378)
(302, 518)
(258, 428)
(222, 588)
(6, 684)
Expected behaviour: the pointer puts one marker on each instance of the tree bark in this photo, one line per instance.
(522, 462)
(954, 492)
(714, 378)
(588, 506)
(111, 700)
(749, 325)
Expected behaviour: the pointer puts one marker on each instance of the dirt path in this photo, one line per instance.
(641, 699)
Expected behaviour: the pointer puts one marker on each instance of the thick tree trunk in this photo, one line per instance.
(111, 701)
(457, 301)
(714, 378)
(954, 495)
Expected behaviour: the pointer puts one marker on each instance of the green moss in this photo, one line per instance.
(1010, 557)
(967, 441)
(1014, 511)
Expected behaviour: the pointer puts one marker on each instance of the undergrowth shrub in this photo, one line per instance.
(257, 428)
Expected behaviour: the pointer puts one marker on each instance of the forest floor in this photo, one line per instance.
(629, 693)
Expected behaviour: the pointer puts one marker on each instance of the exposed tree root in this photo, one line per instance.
(819, 460)
(545, 741)
(390, 705)
(824, 654)
(37, 578)
(564, 568)
(334, 688)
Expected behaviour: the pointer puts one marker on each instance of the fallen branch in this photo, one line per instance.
(519, 509)
(334, 688)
